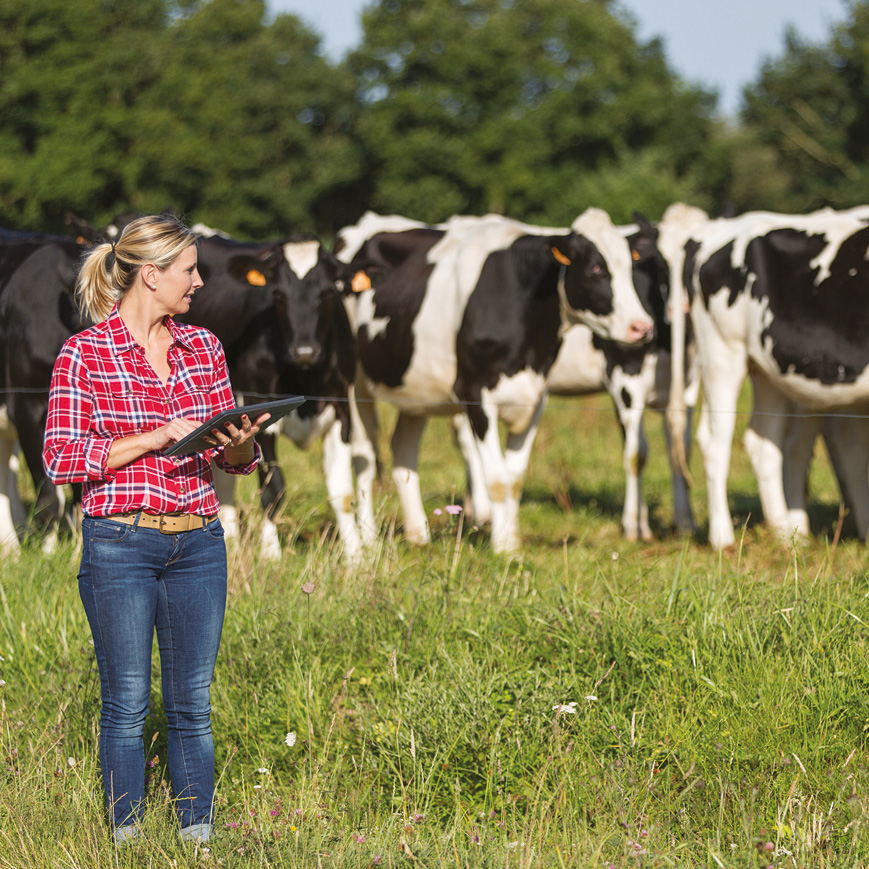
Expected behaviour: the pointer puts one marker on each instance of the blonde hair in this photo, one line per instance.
(110, 269)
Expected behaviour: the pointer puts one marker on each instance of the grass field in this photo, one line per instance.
(589, 703)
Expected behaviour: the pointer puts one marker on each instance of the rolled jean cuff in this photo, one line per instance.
(196, 833)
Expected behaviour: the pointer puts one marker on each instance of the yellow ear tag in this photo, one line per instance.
(635, 256)
(360, 282)
(559, 256)
(255, 278)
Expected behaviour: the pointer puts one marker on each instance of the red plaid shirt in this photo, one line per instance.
(103, 388)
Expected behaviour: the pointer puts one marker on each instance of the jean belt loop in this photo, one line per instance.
(136, 520)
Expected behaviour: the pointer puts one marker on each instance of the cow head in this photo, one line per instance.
(650, 270)
(596, 285)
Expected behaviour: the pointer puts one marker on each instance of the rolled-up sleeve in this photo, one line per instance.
(222, 398)
(72, 452)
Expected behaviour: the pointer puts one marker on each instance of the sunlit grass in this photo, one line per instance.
(720, 712)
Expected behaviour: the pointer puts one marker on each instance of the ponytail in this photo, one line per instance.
(109, 270)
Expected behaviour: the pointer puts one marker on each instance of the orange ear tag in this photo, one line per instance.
(255, 278)
(360, 282)
(559, 256)
(635, 256)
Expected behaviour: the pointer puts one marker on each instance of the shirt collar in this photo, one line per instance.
(124, 341)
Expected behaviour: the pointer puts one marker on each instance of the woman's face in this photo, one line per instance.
(177, 283)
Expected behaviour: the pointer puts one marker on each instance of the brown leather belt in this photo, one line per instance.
(166, 523)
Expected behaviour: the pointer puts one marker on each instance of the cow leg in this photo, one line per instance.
(764, 442)
(224, 487)
(629, 395)
(363, 440)
(721, 384)
(405, 460)
(10, 500)
(801, 433)
(478, 507)
(517, 453)
(847, 441)
(271, 494)
(683, 515)
(337, 467)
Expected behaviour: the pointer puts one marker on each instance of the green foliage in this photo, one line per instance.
(810, 107)
(491, 105)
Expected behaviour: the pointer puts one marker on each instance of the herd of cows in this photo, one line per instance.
(481, 318)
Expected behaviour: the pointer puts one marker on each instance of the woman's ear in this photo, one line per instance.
(149, 275)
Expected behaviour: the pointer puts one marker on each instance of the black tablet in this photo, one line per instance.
(195, 442)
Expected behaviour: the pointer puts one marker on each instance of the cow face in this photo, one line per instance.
(596, 286)
(308, 303)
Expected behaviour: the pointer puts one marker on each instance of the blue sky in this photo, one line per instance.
(719, 43)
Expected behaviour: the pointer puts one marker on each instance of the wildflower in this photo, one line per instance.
(512, 846)
(591, 697)
(2, 683)
(418, 819)
(377, 860)
(293, 828)
(438, 512)
(615, 556)
(567, 708)
(308, 587)
(257, 787)
(263, 771)
(290, 739)
(274, 812)
(359, 839)
(453, 509)
(71, 761)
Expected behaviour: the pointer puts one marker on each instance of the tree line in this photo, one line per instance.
(535, 109)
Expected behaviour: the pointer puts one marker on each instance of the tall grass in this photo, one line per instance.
(589, 703)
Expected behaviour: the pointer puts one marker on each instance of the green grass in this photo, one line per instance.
(721, 699)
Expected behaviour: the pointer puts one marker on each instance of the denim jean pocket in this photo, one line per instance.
(215, 529)
(108, 531)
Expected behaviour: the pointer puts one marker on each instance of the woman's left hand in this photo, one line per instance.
(233, 437)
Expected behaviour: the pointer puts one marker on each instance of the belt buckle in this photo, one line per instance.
(164, 523)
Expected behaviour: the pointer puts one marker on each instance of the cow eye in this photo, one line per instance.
(596, 269)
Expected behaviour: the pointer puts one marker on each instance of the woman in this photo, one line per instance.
(153, 553)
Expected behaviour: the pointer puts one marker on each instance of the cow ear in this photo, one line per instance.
(559, 253)
(249, 270)
(646, 227)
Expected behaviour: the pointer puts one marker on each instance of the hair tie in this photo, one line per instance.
(110, 257)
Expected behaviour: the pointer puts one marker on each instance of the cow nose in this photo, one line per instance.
(640, 330)
(303, 354)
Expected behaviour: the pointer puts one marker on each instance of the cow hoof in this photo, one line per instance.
(419, 537)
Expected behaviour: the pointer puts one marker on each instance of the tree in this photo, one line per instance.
(536, 108)
(811, 106)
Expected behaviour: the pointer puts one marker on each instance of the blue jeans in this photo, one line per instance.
(133, 580)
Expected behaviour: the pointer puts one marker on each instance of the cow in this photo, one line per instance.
(37, 313)
(269, 304)
(782, 299)
(467, 317)
(634, 377)
(295, 339)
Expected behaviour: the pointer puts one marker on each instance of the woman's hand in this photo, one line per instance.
(238, 441)
(128, 449)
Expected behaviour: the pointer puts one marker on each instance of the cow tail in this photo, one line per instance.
(677, 413)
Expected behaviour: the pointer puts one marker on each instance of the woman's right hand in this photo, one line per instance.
(128, 449)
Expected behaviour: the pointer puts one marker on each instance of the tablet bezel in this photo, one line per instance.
(195, 443)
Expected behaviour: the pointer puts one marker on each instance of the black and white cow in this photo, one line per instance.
(280, 316)
(635, 377)
(467, 317)
(37, 313)
(782, 299)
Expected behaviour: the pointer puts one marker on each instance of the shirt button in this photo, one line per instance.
(182, 490)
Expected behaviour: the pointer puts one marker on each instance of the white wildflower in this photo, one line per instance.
(290, 739)
(70, 761)
(591, 697)
(567, 708)
(263, 771)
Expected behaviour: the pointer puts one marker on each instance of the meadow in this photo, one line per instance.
(590, 702)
